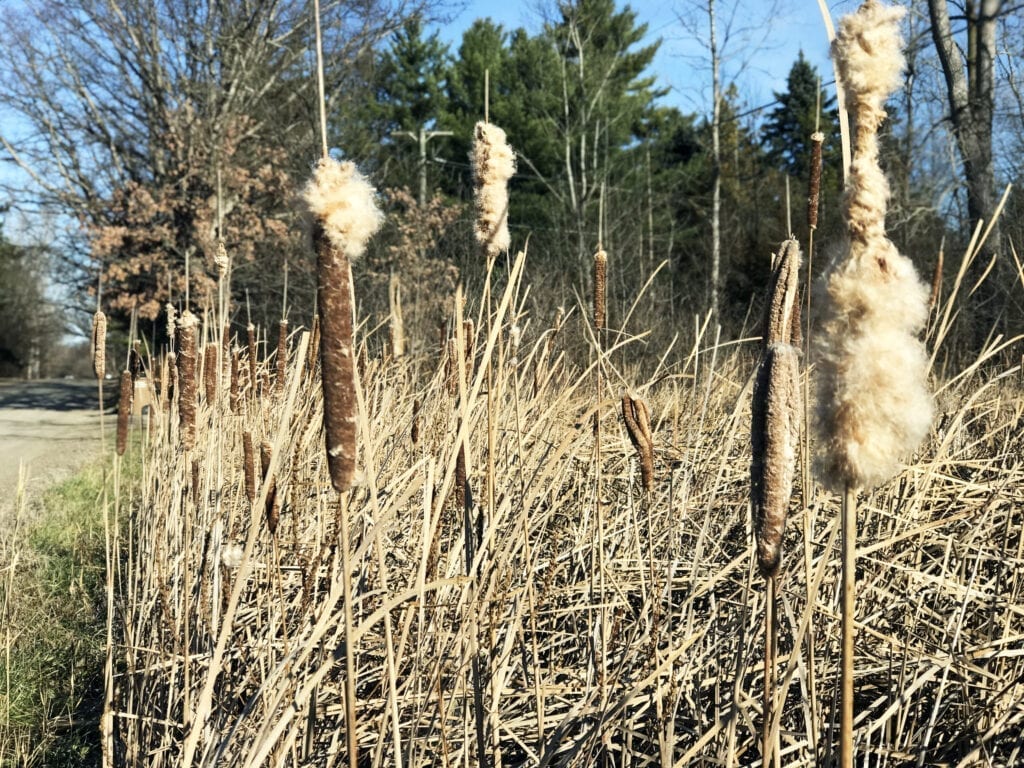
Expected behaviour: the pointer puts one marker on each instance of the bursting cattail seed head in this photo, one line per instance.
(346, 216)
(99, 344)
(494, 163)
(220, 259)
(171, 322)
(873, 405)
(775, 411)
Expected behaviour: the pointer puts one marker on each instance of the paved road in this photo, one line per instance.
(51, 426)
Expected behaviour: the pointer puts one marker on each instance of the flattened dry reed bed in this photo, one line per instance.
(674, 617)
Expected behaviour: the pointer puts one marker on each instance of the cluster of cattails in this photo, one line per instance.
(775, 410)
(344, 207)
(638, 426)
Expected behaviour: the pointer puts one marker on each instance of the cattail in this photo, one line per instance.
(272, 510)
(135, 361)
(342, 202)
(396, 323)
(469, 339)
(99, 344)
(234, 396)
(282, 356)
(171, 323)
(313, 352)
(187, 371)
(638, 426)
(250, 332)
(172, 380)
(600, 287)
(196, 494)
(874, 405)
(249, 466)
(775, 411)
(220, 259)
(124, 410)
(814, 184)
(210, 366)
(414, 432)
(494, 162)
(451, 367)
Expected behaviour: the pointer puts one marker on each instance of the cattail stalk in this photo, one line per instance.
(396, 322)
(775, 435)
(187, 365)
(874, 405)
(346, 216)
(124, 410)
(814, 182)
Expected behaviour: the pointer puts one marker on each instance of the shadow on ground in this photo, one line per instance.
(56, 394)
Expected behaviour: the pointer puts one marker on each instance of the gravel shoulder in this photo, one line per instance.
(52, 427)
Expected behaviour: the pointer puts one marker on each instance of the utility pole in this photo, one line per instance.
(423, 137)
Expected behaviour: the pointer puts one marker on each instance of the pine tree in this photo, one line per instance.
(789, 126)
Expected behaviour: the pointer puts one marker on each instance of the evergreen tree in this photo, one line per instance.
(788, 128)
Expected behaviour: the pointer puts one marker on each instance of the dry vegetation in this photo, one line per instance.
(579, 620)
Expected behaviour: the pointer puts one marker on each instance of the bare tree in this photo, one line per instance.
(126, 112)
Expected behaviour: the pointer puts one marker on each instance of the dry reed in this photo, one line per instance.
(124, 410)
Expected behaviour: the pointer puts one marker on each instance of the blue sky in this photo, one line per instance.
(759, 52)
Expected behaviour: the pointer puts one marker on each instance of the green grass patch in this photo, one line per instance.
(52, 598)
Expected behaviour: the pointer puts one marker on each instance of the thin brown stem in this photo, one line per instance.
(849, 521)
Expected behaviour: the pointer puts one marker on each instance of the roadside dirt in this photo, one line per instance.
(50, 426)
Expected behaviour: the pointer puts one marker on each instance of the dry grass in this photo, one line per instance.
(657, 663)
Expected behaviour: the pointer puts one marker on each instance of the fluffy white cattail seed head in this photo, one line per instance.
(345, 205)
(494, 162)
(874, 405)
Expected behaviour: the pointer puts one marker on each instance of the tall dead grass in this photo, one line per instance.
(207, 596)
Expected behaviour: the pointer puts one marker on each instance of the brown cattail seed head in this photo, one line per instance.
(873, 404)
(196, 487)
(282, 356)
(775, 411)
(814, 183)
(249, 466)
(344, 206)
(210, 366)
(414, 432)
(172, 380)
(235, 395)
(494, 163)
(600, 287)
(250, 332)
(272, 510)
(99, 344)
(124, 410)
(187, 355)
(313, 353)
(638, 426)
